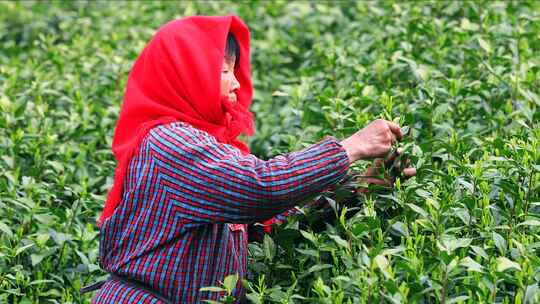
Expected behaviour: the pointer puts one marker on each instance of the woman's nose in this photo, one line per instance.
(235, 84)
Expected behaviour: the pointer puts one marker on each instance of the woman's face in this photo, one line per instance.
(229, 83)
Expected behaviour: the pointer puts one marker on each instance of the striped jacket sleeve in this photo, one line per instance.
(213, 182)
(257, 230)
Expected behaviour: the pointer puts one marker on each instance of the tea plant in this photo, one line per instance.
(463, 77)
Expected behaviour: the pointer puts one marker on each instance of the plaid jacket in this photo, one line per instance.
(181, 223)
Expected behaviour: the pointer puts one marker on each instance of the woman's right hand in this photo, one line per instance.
(373, 141)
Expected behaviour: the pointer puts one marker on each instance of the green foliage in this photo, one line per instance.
(463, 76)
(228, 285)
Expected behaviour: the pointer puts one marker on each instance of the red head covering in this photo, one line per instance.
(177, 77)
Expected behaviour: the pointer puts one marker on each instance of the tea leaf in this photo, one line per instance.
(529, 223)
(418, 210)
(341, 242)
(471, 264)
(504, 264)
(212, 289)
(532, 292)
(499, 241)
(230, 282)
(5, 229)
(269, 247)
(484, 45)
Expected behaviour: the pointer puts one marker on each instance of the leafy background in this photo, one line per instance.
(463, 76)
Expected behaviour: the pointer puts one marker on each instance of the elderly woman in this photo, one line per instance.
(185, 187)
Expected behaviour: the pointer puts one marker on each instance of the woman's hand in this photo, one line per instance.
(373, 141)
(373, 176)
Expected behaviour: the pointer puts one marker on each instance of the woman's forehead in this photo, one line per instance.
(229, 61)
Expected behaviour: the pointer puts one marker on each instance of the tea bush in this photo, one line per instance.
(463, 77)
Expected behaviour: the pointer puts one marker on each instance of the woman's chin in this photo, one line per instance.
(229, 98)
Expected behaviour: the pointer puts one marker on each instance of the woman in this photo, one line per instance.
(185, 187)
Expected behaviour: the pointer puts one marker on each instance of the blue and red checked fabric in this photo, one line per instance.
(181, 224)
(119, 292)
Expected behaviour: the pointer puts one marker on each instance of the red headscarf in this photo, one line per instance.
(177, 78)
